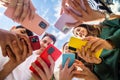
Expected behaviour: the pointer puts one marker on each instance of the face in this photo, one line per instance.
(45, 42)
(19, 30)
(80, 32)
(66, 49)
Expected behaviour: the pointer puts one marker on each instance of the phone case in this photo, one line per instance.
(35, 43)
(76, 43)
(65, 56)
(60, 23)
(50, 50)
(37, 25)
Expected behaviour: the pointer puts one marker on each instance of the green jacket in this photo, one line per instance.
(108, 68)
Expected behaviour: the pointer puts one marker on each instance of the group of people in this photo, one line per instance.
(18, 54)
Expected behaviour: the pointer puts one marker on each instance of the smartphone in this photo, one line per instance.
(37, 25)
(35, 43)
(76, 43)
(50, 50)
(65, 56)
(61, 23)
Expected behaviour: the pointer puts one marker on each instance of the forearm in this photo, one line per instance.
(7, 69)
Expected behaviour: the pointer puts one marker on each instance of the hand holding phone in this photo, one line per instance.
(76, 43)
(37, 25)
(35, 43)
(65, 56)
(50, 50)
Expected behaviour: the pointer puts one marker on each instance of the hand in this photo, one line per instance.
(8, 37)
(6, 40)
(96, 43)
(85, 73)
(23, 8)
(66, 73)
(87, 14)
(14, 58)
(88, 56)
(47, 73)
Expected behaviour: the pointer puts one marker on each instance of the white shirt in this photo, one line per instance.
(22, 71)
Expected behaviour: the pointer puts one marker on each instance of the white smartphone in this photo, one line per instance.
(37, 25)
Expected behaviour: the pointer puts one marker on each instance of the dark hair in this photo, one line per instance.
(51, 36)
(29, 33)
(93, 30)
(64, 46)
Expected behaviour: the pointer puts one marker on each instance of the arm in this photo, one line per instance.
(15, 58)
(87, 13)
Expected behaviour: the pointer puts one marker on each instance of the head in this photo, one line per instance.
(21, 30)
(85, 30)
(46, 40)
(65, 48)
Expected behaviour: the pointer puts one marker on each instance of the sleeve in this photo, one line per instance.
(112, 23)
(115, 38)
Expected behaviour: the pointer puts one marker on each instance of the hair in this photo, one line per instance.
(93, 30)
(64, 46)
(51, 36)
(29, 33)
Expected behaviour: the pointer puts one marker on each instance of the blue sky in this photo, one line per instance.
(49, 10)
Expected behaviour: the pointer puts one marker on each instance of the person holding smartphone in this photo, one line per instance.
(23, 8)
(110, 39)
(48, 74)
(15, 49)
(22, 72)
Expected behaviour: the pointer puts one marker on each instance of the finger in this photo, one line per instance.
(88, 38)
(4, 52)
(83, 53)
(16, 51)
(24, 54)
(10, 54)
(96, 44)
(52, 64)
(32, 11)
(18, 10)
(25, 11)
(35, 77)
(88, 8)
(27, 41)
(74, 24)
(67, 62)
(78, 62)
(71, 68)
(60, 67)
(39, 71)
(45, 66)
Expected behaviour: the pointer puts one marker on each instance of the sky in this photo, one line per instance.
(49, 10)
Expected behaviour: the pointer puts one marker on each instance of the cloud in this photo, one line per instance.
(115, 8)
(1, 14)
(57, 9)
(60, 35)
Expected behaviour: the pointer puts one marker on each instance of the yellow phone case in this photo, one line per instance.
(76, 43)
